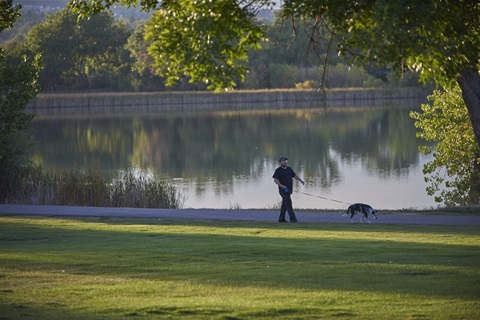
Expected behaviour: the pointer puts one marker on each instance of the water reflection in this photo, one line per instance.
(226, 159)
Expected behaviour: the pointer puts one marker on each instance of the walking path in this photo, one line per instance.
(220, 214)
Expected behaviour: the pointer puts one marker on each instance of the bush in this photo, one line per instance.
(454, 173)
(373, 82)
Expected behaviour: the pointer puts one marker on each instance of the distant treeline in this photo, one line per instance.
(105, 53)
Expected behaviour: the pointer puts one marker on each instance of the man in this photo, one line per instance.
(283, 178)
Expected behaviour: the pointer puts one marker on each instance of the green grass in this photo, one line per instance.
(105, 268)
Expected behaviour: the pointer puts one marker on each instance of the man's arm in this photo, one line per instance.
(299, 179)
(277, 182)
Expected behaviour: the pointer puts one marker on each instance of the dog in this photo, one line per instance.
(362, 208)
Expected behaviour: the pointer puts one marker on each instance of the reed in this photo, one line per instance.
(93, 188)
(141, 191)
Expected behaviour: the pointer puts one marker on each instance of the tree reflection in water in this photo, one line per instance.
(226, 159)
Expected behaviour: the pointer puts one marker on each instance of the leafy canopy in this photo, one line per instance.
(8, 14)
(438, 38)
(205, 41)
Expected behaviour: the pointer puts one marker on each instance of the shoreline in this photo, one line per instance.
(120, 102)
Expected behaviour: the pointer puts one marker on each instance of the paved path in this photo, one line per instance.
(219, 214)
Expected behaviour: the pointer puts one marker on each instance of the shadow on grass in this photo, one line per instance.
(414, 260)
(233, 224)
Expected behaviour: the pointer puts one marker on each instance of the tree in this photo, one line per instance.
(18, 85)
(454, 170)
(206, 41)
(180, 32)
(142, 65)
(85, 54)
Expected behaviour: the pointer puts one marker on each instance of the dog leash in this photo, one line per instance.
(312, 195)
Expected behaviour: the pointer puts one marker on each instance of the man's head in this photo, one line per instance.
(283, 161)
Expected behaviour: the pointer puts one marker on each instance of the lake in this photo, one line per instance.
(226, 159)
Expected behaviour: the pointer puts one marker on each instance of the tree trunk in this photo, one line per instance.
(469, 81)
(474, 193)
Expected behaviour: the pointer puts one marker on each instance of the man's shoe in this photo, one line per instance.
(293, 221)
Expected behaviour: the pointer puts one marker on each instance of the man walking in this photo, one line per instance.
(283, 178)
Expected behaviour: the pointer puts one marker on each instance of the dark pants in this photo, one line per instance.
(286, 206)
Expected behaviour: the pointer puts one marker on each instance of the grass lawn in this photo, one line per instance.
(106, 268)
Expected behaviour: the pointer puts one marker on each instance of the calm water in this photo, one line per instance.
(226, 159)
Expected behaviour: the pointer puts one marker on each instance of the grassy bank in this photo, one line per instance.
(91, 188)
(133, 269)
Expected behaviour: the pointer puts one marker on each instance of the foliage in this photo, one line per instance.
(453, 171)
(203, 40)
(85, 54)
(437, 38)
(206, 41)
(280, 63)
(282, 55)
(29, 17)
(8, 14)
(142, 65)
(18, 85)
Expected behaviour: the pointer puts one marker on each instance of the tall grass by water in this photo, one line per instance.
(92, 188)
(106, 268)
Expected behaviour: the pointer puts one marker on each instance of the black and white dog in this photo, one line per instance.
(364, 209)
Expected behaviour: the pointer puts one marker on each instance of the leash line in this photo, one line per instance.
(312, 195)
